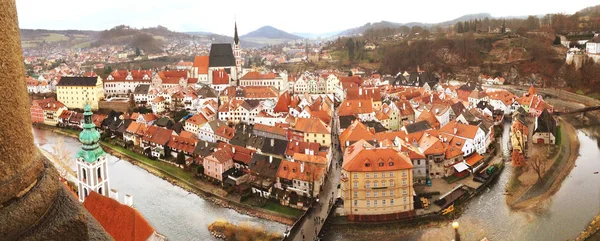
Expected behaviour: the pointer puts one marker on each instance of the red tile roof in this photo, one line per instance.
(462, 130)
(179, 143)
(172, 76)
(136, 75)
(297, 171)
(354, 107)
(201, 62)
(283, 103)
(122, 222)
(362, 157)
(312, 125)
(300, 147)
(220, 77)
(253, 75)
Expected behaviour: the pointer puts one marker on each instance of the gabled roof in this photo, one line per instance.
(462, 130)
(141, 89)
(221, 55)
(130, 75)
(283, 103)
(274, 146)
(201, 62)
(265, 166)
(546, 123)
(77, 81)
(122, 222)
(180, 143)
(312, 125)
(355, 132)
(354, 107)
(430, 118)
(417, 127)
(301, 157)
(253, 75)
(307, 172)
(220, 77)
(301, 147)
(362, 157)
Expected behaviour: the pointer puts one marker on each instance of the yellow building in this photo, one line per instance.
(377, 183)
(314, 130)
(75, 92)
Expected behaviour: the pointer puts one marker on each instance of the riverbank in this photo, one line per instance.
(531, 196)
(592, 232)
(182, 179)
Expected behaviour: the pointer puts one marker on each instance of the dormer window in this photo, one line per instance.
(391, 163)
(381, 164)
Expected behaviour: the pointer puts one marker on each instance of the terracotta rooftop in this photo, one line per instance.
(312, 125)
(253, 75)
(354, 107)
(122, 222)
(201, 62)
(363, 157)
(300, 171)
(462, 130)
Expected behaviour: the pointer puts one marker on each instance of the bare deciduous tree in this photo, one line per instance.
(538, 165)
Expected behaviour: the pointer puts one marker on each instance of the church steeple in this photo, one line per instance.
(92, 169)
(236, 39)
(90, 150)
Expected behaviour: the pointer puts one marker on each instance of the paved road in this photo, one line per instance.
(313, 222)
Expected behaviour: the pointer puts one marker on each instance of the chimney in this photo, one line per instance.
(347, 143)
(381, 144)
(311, 152)
(114, 194)
(272, 142)
(301, 167)
(431, 99)
(306, 151)
(359, 91)
(233, 149)
(128, 200)
(404, 106)
(455, 129)
(359, 104)
(270, 159)
(348, 104)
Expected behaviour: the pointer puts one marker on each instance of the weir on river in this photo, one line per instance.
(171, 210)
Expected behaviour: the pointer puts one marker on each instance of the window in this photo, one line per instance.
(368, 185)
(355, 194)
(375, 203)
(404, 200)
(404, 191)
(374, 175)
(383, 174)
(391, 174)
(355, 184)
(368, 203)
(391, 193)
(380, 164)
(383, 193)
(391, 201)
(404, 172)
(383, 202)
(382, 183)
(375, 184)
(403, 182)
(355, 175)
(375, 193)
(391, 163)
(355, 202)
(391, 183)
(368, 175)
(368, 194)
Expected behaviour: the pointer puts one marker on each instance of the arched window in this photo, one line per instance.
(85, 192)
(99, 171)
(83, 174)
(100, 191)
(368, 184)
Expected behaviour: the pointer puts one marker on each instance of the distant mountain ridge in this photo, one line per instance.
(270, 32)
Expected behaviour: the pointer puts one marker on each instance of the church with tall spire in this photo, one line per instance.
(92, 168)
(237, 50)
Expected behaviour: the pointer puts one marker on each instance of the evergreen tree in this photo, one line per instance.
(556, 41)
(180, 158)
(350, 47)
(459, 27)
(503, 26)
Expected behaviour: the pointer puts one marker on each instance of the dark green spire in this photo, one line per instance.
(236, 39)
(90, 150)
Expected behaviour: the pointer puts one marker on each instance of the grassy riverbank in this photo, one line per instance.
(188, 181)
(592, 232)
(526, 191)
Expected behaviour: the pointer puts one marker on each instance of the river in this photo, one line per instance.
(561, 217)
(171, 210)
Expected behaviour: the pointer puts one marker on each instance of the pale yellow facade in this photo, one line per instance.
(376, 193)
(322, 139)
(78, 96)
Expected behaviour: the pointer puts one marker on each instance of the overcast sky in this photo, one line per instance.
(313, 16)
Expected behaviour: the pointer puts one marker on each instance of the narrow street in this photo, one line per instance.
(311, 225)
